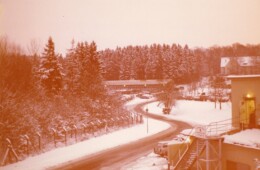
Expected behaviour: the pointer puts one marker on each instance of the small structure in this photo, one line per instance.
(123, 84)
(245, 98)
(240, 150)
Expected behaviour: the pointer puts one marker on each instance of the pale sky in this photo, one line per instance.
(112, 23)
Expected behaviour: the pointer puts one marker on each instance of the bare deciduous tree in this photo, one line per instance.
(33, 47)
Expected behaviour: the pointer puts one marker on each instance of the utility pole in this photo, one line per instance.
(147, 127)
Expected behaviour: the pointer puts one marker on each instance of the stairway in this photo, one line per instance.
(191, 154)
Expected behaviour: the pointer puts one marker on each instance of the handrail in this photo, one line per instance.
(186, 143)
(211, 130)
(221, 127)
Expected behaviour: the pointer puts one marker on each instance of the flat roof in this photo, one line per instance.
(243, 76)
(136, 82)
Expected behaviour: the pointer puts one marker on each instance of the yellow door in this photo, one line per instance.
(247, 113)
(250, 107)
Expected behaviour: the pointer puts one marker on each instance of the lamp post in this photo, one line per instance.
(147, 127)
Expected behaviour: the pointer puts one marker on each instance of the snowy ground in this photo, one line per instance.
(65, 154)
(149, 162)
(194, 112)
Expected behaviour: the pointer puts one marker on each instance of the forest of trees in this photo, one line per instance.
(41, 91)
(182, 64)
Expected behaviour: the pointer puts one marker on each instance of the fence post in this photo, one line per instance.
(75, 131)
(39, 140)
(7, 153)
(27, 144)
(54, 136)
(93, 128)
(65, 135)
(84, 128)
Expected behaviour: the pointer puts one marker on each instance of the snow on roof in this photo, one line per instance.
(243, 76)
(245, 61)
(224, 61)
(136, 82)
(188, 132)
(248, 138)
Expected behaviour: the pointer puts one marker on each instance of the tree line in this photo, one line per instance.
(182, 64)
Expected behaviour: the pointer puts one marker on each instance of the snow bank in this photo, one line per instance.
(150, 162)
(248, 137)
(88, 147)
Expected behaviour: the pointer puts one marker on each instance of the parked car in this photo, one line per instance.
(161, 148)
(203, 97)
(166, 110)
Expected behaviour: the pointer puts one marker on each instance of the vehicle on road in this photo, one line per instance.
(161, 148)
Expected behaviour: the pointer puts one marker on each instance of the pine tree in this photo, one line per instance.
(72, 70)
(50, 70)
(94, 70)
(125, 68)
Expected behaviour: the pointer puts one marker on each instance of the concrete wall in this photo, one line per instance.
(242, 157)
(240, 87)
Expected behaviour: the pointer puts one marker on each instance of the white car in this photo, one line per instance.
(161, 148)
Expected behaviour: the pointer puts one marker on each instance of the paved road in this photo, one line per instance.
(117, 157)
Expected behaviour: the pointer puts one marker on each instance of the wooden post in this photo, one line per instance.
(39, 140)
(7, 153)
(84, 128)
(27, 144)
(65, 135)
(75, 131)
(54, 136)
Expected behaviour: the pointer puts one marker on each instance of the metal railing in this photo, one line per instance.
(214, 129)
(222, 127)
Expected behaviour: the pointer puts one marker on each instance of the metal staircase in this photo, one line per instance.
(205, 148)
(191, 154)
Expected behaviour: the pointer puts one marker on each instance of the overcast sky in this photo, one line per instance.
(111, 23)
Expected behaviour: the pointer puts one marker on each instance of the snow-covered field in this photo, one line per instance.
(88, 147)
(194, 112)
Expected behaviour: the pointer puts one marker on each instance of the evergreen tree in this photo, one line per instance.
(72, 71)
(94, 71)
(125, 68)
(50, 70)
(159, 67)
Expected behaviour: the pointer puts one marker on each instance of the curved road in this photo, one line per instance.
(115, 158)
